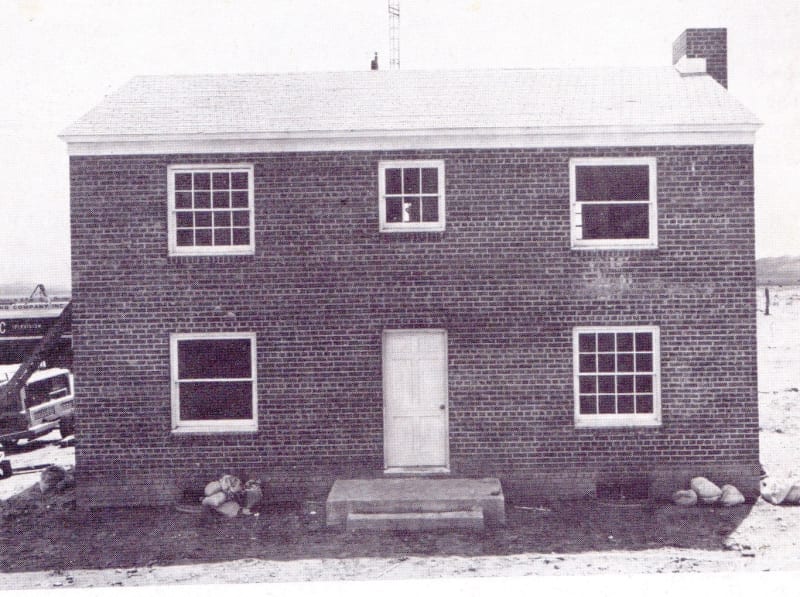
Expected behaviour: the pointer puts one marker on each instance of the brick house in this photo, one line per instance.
(541, 275)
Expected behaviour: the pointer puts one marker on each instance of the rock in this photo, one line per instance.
(230, 485)
(774, 489)
(213, 488)
(731, 496)
(68, 482)
(229, 509)
(51, 477)
(706, 491)
(793, 497)
(684, 497)
(215, 500)
(252, 494)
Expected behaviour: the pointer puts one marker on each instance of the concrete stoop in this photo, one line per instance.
(415, 504)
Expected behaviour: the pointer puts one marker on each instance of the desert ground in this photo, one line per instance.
(47, 543)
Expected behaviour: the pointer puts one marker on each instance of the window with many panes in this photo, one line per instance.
(411, 195)
(613, 202)
(213, 382)
(617, 376)
(211, 210)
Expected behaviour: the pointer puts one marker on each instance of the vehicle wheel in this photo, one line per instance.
(5, 467)
(66, 426)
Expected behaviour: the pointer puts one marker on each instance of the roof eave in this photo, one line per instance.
(393, 139)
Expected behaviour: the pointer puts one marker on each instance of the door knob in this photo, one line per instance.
(441, 407)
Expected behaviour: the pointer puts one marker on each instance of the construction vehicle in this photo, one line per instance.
(5, 466)
(36, 400)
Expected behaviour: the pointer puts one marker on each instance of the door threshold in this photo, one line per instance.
(417, 470)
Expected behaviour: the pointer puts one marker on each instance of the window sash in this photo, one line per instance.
(614, 229)
(622, 385)
(407, 206)
(204, 400)
(211, 209)
(210, 386)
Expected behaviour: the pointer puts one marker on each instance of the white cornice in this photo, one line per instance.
(472, 138)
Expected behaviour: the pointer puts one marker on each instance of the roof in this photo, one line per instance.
(397, 102)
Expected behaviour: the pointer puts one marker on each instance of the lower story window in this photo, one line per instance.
(213, 382)
(617, 376)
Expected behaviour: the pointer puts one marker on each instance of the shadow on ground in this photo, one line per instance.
(50, 533)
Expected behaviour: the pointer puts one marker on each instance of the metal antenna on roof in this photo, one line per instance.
(394, 34)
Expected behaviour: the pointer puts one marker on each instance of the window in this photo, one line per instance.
(211, 210)
(616, 376)
(411, 196)
(213, 382)
(613, 203)
(50, 388)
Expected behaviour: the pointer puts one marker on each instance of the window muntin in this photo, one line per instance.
(617, 376)
(411, 195)
(211, 210)
(213, 382)
(613, 203)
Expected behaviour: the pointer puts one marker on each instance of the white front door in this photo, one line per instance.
(415, 399)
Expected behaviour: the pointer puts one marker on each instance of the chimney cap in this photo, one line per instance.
(691, 66)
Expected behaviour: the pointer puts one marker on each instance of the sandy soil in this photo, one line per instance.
(47, 543)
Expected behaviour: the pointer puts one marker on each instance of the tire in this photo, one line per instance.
(66, 426)
(5, 467)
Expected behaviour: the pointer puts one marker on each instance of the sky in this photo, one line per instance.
(59, 58)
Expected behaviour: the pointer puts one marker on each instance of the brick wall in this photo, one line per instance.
(711, 44)
(324, 283)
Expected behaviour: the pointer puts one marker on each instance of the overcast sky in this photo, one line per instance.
(58, 59)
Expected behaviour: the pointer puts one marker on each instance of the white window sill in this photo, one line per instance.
(411, 228)
(607, 421)
(195, 252)
(605, 246)
(245, 427)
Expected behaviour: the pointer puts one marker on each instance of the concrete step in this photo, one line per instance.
(409, 496)
(416, 521)
(412, 505)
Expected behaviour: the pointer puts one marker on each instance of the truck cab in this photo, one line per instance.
(44, 403)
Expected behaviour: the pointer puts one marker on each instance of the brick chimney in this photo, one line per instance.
(708, 44)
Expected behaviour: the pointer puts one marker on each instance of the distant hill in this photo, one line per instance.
(778, 271)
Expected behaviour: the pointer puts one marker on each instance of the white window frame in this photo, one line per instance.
(576, 222)
(618, 420)
(385, 226)
(211, 426)
(174, 249)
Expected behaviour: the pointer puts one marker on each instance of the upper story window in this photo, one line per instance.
(411, 196)
(211, 210)
(613, 203)
(213, 382)
(617, 373)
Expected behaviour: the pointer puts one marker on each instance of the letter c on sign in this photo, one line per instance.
(2, 327)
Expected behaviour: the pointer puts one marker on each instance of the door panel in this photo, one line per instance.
(415, 398)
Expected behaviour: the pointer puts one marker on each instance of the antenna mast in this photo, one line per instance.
(394, 34)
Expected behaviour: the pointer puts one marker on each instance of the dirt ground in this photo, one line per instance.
(46, 542)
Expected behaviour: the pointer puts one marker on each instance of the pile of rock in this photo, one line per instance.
(56, 478)
(705, 492)
(229, 497)
(778, 490)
